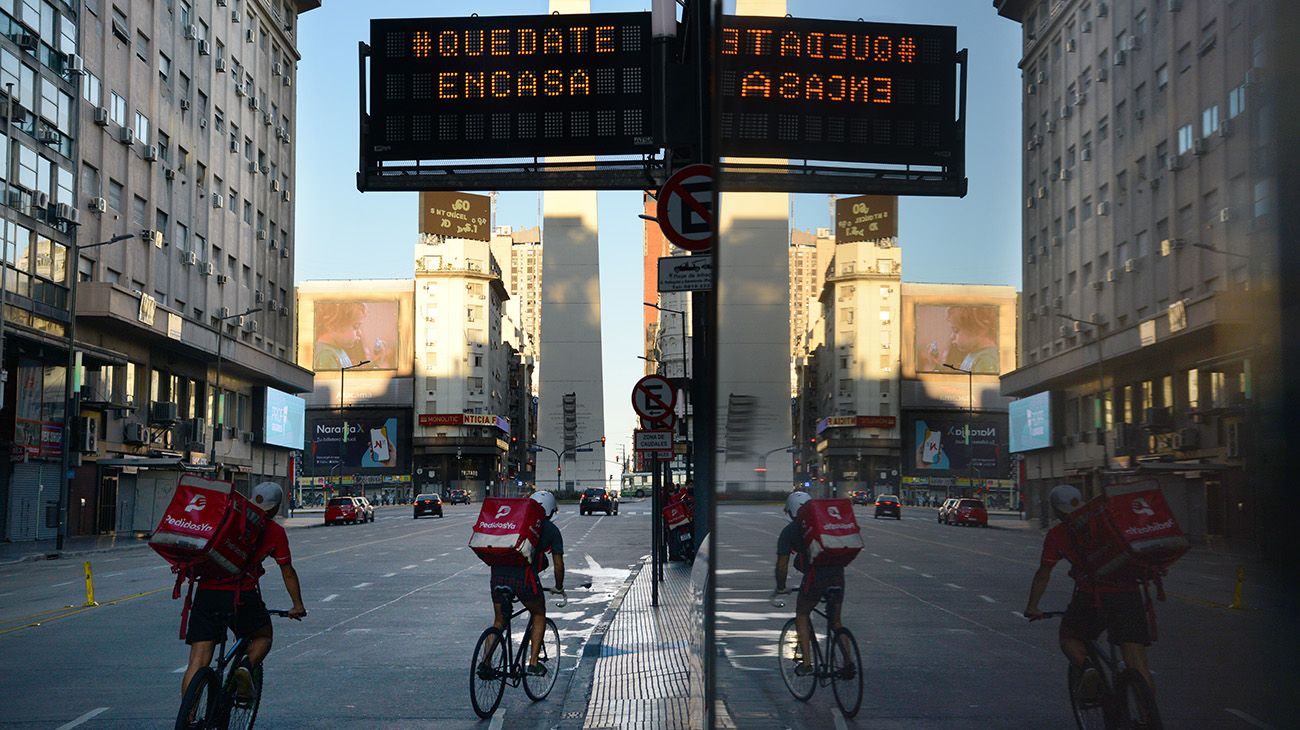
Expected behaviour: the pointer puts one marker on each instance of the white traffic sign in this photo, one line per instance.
(655, 400)
(685, 273)
(685, 209)
(654, 441)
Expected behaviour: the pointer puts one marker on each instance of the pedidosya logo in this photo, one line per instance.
(197, 503)
(1142, 507)
(834, 512)
(502, 511)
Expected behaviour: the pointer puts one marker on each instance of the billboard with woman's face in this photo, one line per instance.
(963, 336)
(349, 332)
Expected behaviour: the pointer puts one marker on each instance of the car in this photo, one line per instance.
(598, 499)
(860, 497)
(367, 508)
(946, 508)
(458, 496)
(346, 509)
(888, 505)
(427, 504)
(969, 512)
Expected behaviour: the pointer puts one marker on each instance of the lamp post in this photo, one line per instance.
(788, 449)
(559, 456)
(685, 428)
(970, 416)
(342, 371)
(70, 400)
(218, 399)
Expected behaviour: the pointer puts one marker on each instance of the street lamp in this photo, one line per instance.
(218, 398)
(559, 456)
(343, 370)
(685, 428)
(970, 416)
(788, 449)
(70, 401)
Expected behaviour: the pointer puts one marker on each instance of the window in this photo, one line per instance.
(886, 316)
(142, 128)
(846, 316)
(1070, 219)
(115, 192)
(137, 212)
(1261, 206)
(1236, 101)
(1185, 138)
(1193, 389)
(1162, 76)
(1210, 120)
(91, 90)
(117, 109)
(1103, 129)
(1085, 209)
(164, 68)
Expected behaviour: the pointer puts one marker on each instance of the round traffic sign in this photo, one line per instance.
(654, 399)
(685, 209)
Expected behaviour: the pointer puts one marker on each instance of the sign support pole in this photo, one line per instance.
(656, 531)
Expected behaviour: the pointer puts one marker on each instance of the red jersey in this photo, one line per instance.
(274, 544)
(1057, 545)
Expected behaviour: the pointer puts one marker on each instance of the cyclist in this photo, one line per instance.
(236, 602)
(524, 582)
(1110, 604)
(812, 587)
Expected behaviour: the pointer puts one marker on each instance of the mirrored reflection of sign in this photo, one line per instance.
(866, 218)
(456, 215)
(963, 336)
(283, 419)
(348, 332)
(937, 443)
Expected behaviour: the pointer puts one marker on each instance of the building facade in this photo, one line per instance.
(1146, 189)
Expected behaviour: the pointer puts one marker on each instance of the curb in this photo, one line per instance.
(577, 697)
(35, 557)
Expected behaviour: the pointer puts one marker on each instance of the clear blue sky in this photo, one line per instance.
(345, 234)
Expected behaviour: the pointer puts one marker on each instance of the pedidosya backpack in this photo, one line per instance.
(829, 531)
(1129, 532)
(208, 531)
(507, 531)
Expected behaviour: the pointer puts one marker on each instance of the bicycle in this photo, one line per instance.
(492, 667)
(1122, 698)
(828, 666)
(211, 701)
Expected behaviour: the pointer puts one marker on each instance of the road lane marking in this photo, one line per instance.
(498, 721)
(887, 560)
(181, 669)
(954, 586)
(926, 575)
(907, 567)
(65, 583)
(389, 575)
(443, 555)
(329, 598)
(838, 719)
(429, 560)
(84, 718)
(361, 585)
(113, 575)
(407, 567)
(1247, 718)
(986, 599)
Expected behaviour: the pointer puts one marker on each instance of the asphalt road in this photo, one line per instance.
(395, 608)
(935, 610)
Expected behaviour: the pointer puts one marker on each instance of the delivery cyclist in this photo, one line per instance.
(236, 602)
(812, 587)
(1114, 605)
(524, 582)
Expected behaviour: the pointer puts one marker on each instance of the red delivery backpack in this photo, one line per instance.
(507, 531)
(830, 532)
(208, 531)
(676, 514)
(1127, 532)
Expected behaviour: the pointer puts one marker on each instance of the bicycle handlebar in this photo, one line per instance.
(563, 599)
(282, 613)
(1045, 615)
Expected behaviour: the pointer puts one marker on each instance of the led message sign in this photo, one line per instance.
(510, 86)
(831, 90)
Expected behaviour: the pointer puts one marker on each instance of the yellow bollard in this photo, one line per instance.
(90, 586)
(1236, 592)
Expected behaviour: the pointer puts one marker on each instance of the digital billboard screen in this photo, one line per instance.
(960, 336)
(838, 90)
(1031, 422)
(282, 419)
(510, 86)
(360, 442)
(352, 331)
(935, 443)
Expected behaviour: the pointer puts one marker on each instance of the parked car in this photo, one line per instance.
(458, 496)
(889, 506)
(427, 504)
(969, 512)
(945, 508)
(860, 497)
(598, 499)
(347, 509)
(367, 508)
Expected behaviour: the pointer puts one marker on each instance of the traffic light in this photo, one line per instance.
(602, 440)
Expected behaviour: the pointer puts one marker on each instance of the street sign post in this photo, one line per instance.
(685, 273)
(658, 441)
(685, 209)
(655, 400)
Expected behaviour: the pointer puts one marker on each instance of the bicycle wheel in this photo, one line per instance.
(790, 657)
(1088, 714)
(846, 672)
(486, 688)
(1138, 700)
(240, 714)
(200, 700)
(538, 686)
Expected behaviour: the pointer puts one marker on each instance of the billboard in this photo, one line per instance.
(371, 442)
(866, 218)
(839, 90)
(282, 418)
(1031, 422)
(510, 86)
(349, 332)
(935, 443)
(456, 215)
(960, 336)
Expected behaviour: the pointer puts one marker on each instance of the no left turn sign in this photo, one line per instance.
(685, 209)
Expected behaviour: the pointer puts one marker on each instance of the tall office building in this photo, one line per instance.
(1146, 190)
(810, 254)
(519, 253)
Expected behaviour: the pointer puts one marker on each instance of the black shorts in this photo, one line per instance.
(214, 611)
(814, 583)
(1123, 616)
(525, 589)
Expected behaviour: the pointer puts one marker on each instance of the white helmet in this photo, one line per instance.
(795, 501)
(1065, 498)
(547, 501)
(267, 496)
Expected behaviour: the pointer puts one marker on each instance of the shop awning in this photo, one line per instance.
(161, 462)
